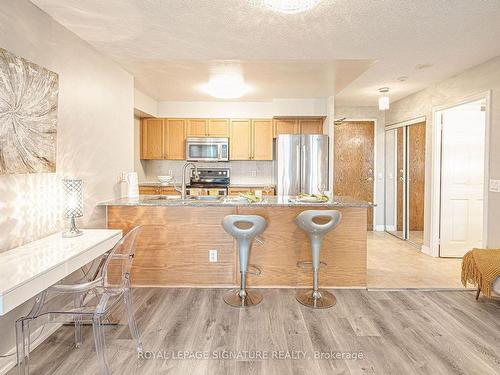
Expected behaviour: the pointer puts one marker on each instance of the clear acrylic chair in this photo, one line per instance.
(88, 301)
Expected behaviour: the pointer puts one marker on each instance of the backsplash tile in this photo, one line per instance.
(242, 172)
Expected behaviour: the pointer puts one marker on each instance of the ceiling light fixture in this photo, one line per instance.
(291, 6)
(226, 86)
(383, 100)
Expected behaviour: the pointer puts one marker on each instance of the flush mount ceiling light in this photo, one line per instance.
(226, 86)
(291, 6)
(383, 100)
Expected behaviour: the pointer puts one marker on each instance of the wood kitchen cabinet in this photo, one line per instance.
(163, 139)
(244, 189)
(286, 126)
(311, 125)
(207, 128)
(300, 125)
(251, 139)
(152, 138)
(174, 137)
(157, 190)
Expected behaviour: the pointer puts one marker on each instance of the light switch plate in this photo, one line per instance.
(253, 173)
(212, 255)
(495, 186)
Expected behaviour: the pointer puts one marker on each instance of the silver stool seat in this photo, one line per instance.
(308, 222)
(244, 228)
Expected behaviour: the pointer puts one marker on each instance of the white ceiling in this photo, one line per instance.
(170, 45)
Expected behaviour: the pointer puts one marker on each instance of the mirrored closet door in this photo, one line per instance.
(405, 180)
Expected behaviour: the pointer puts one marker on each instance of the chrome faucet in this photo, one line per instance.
(196, 177)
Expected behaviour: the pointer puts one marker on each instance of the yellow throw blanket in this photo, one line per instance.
(481, 267)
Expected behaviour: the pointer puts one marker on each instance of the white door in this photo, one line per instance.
(462, 179)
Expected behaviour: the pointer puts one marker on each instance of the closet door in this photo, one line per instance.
(416, 181)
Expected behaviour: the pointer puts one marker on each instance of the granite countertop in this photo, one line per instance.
(170, 184)
(270, 201)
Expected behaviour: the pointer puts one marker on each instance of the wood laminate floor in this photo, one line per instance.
(397, 332)
(394, 263)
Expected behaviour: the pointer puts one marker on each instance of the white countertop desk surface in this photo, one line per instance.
(27, 270)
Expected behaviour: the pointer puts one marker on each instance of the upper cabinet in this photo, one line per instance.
(218, 128)
(196, 127)
(152, 139)
(207, 128)
(262, 138)
(299, 125)
(286, 126)
(311, 125)
(251, 139)
(163, 139)
(174, 135)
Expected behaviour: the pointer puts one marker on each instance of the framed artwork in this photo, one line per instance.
(28, 116)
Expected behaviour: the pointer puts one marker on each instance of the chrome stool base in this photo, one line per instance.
(323, 301)
(232, 298)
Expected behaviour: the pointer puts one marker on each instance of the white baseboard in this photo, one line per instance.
(8, 363)
(427, 251)
(390, 228)
(379, 228)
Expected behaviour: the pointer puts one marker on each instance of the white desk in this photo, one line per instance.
(29, 269)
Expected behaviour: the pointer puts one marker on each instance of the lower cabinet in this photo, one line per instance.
(157, 190)
(238, 190)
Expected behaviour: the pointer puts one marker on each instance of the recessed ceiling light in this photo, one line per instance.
(422, 66)
(291, 6)
(226, 86)
(402, 78)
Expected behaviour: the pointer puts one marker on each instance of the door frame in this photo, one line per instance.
(375, 169)
(406, 202)
(435, 228)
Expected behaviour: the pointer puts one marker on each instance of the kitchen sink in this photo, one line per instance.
(164, 198)
(211, 198)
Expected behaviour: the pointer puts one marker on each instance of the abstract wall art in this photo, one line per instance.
(28, 116)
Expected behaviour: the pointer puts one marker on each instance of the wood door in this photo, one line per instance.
(311, 126)
(240, 142)
(462, 180)
(218, 127)
(196, 128)
(174, 139)
(416, 178)
(353, 162)
(401, 176)
(152, 138)
(285, 126)
(262, 139)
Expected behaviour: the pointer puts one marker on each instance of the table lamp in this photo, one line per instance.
(73, 205)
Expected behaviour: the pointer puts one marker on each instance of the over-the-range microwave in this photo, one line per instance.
(207, 149)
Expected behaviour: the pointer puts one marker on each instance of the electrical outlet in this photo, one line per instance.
(212, 255)
(495, 186)
(170, 173)
(253, 173)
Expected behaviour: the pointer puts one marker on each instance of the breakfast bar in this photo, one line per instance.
(178, 256)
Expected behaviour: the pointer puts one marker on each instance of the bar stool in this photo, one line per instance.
(244, 228)
(316, 298)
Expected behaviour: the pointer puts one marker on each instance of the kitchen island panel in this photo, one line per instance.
(285, 244)
(178, 254)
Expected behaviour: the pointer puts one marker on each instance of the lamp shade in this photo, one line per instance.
(73, 197)
(383, 103)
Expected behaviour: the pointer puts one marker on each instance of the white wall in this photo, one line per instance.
(277, 107)
(470, 82)
(371, 113)
(145, 104)
(94, 140)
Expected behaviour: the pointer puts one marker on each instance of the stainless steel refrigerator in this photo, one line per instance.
(300, 164)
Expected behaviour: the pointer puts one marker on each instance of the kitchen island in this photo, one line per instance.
(179, 254)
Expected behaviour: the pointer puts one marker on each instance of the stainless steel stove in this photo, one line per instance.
(210, 181)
